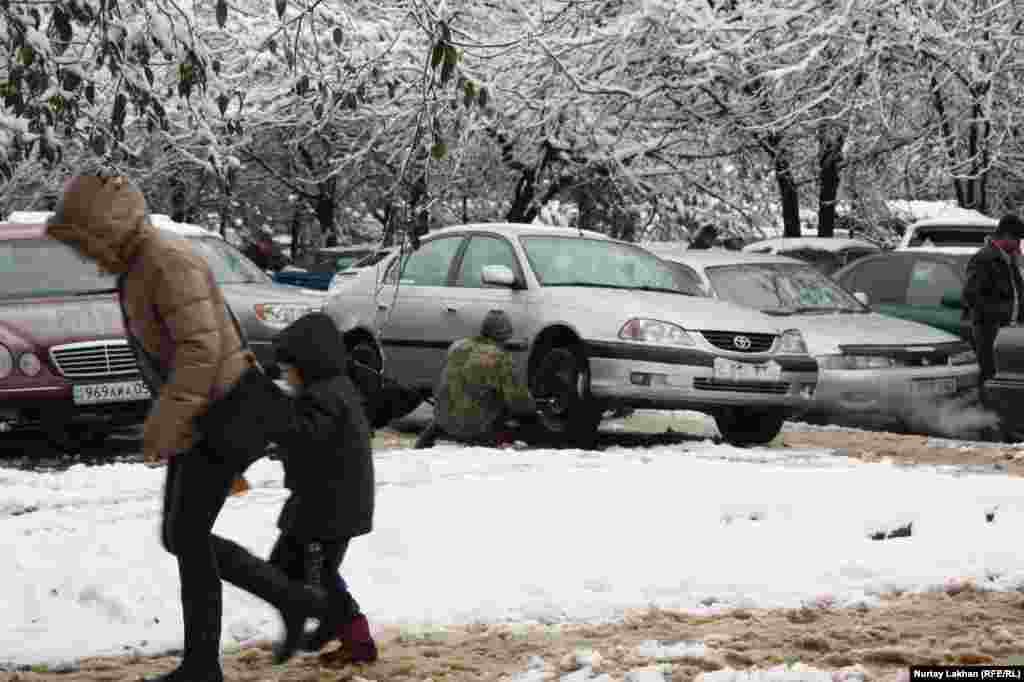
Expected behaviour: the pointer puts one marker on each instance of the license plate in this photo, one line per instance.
(933, 386)
(113, 392)
(730, 370)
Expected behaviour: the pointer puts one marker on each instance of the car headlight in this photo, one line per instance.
(855, 362)
(281, 314)
(6, 362)
(967, 357)
(29, 364)
(655, 331)
(792, 341)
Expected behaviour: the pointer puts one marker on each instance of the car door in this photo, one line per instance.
(471, 298)
(414, 327)
(930, 279)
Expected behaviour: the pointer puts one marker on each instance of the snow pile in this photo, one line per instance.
(537, 537)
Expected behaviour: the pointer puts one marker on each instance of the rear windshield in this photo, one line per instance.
(949, 236)
(46, 267)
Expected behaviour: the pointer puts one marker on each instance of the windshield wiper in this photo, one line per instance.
(94, 292)
(663, 290)
(596, 285)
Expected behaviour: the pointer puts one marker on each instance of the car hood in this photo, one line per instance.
(41, 323)
(825, 333)
(273, 292)
(689, 312)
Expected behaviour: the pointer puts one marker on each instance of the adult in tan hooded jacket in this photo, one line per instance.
(175, 309)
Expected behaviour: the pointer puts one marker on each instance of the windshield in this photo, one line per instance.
(781, 288)
(228, 264)
(579, 261)
(46, 267)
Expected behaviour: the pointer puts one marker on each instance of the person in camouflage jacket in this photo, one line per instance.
(478, 390)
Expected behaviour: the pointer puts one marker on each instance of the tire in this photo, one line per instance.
(563, 377)
(749, 425)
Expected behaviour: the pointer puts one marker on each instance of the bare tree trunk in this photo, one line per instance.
(830, 155)
(948, 140)
(788, 196)
(296, 228)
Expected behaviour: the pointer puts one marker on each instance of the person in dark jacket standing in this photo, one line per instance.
(328, 464)
(993, 294)
(190, 354)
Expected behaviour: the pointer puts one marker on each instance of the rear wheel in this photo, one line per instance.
(561, 385)
(749, 425)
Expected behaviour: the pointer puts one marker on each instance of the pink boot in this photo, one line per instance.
(357, 641)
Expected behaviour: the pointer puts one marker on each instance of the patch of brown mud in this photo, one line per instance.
(874, 446)
(968, 627)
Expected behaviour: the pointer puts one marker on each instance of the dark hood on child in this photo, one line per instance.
(315, 346)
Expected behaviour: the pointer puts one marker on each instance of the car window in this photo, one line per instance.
(229, 265)
(781, 288)
(929, 281)
(46, 267)
(949, 235)
(688, 278)
(428, 266)
(884, 280)
(585, 262)
(483, 251)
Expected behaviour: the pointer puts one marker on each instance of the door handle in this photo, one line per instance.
(449, 309)
(382, 306)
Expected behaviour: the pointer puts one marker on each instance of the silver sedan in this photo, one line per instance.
(870, 365)
(600, 324)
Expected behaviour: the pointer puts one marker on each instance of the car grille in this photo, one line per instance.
(758, 343)
(94, 359)
(772, 387)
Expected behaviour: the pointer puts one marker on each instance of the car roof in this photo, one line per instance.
(956, 222)
(707, 258)
(37, 220)
(947, 250)
(520, 230)
(816, 243)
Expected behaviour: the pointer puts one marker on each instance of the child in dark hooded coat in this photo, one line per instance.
(324, 437)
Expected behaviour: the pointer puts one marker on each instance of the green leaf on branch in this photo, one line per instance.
(222, 13)
(26, 55)
(222, 103)
(337, 35)
(482, 99)
(302, 85)
(439, 150)
(281, 6)
(90, 93)
(120, 110)
(437, 55)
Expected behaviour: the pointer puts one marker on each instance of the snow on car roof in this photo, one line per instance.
(29, 217)
(955, 221)
(522, 230)
(712, 257)
(832, 244)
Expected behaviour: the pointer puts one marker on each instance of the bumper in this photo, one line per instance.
(264, 351)
(685, 378)
(1004, 395)
(52, 406)
(890, 391)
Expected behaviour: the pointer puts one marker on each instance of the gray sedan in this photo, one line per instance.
(600, 324)
(872, 367)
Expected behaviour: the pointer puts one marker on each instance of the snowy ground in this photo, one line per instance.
(479, 535)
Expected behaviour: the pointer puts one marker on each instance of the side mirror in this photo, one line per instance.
(952, 299)
(498, 275)
(862, 297)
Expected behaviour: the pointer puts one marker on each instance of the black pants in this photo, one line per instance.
(317, 562)
(194, 493)
(984, 347)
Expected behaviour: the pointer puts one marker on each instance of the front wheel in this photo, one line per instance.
(561, 386)
(749, 425)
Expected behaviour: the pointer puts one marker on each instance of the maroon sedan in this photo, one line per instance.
(65, 366)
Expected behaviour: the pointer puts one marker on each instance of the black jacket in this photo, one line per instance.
(325, 437)
(988, 292)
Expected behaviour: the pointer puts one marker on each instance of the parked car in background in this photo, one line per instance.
(263, 308)
(870, 365)
(326, 263)
(954, 235)
(65, 366)
(370, 265)
(919, 285)
(1005, 391)
(826, 253)
(599, 324)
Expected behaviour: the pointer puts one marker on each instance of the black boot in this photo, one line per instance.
(294, 600)
(181, 674)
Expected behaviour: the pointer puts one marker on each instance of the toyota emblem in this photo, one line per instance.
(741, 342)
